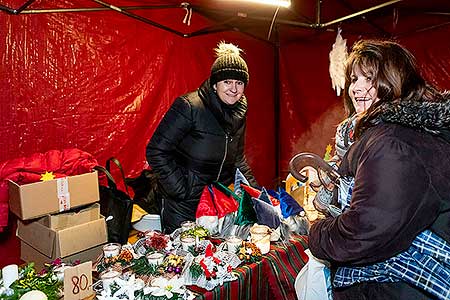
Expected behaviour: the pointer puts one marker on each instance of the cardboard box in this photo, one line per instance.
(37, 199)
(71, 218)
(29, 254)
(64, 242)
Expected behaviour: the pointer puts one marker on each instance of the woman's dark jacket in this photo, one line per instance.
(402, 186)
(199, 140)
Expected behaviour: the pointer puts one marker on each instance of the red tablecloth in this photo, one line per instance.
(271, 278)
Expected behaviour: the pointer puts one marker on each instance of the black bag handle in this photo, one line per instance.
(119, 165)
(111, 182)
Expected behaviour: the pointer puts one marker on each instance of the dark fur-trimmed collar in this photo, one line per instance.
(433, 117)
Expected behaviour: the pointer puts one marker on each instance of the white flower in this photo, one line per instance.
(160, 286)
(127, 287)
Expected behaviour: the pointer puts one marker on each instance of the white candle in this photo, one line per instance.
(187, 242)
(10, 273)
(155, 258)
(108, 278)
(260, 236)
(186, 225)
(233, 244)
(111, 250)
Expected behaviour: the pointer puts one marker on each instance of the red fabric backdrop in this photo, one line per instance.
(101, 81)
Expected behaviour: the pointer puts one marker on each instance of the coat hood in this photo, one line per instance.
(433, 117)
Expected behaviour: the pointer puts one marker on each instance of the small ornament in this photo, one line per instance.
(328, 149)
(173, 263)
(47, 176)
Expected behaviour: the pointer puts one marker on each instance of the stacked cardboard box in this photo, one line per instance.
(58, 219)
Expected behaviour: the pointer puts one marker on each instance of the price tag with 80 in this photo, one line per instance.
(78, 281)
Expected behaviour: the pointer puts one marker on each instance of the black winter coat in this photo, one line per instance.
(199, 140)
(402, 187)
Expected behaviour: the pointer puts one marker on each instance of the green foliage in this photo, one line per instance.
(29, 280)
(140, 295)
(198, 231)
(141, 266)
(196, 270)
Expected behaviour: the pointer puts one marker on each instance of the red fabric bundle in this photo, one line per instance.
(30, 169)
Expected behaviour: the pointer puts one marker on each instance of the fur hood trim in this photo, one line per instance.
(433, 117)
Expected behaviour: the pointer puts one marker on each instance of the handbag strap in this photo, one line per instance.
(119, 165)
(111, 182)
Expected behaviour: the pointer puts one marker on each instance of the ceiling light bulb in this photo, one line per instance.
(283, 3)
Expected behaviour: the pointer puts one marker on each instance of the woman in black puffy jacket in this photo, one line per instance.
(201, 139)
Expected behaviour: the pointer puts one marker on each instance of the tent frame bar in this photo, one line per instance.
(359, 13)
(16, 11)
(223, 26)
(124, 10)
(315, 25)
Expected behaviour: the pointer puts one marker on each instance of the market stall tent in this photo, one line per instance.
(99, 76)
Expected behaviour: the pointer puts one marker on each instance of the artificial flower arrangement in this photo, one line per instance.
(152, 241)
(132, 288)
(149, 281)
(212, 268)
(143, 277)
(249, 253)
(134, 255)
(174, 263)
(156, 241)
(141, 267)
(48, 281)
(197, 231)
(163, 288)
(201, 265)
(115, 262)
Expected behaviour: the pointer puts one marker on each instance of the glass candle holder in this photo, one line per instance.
(59, 272)
(186, 242)
(260, 236)
(186, 225)
(111, 250)
(155, 258)
(233, 244)
(108, 277)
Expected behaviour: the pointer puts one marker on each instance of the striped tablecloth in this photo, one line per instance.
(271, 278)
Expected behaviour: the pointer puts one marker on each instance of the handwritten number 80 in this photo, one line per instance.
(79, 283)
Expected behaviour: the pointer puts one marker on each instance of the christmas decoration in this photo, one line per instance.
(47, 176)
(211, 269)
(338, 56)
(249, 253)
(45, 281)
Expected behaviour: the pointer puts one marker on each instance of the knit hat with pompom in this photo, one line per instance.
(228, 64)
